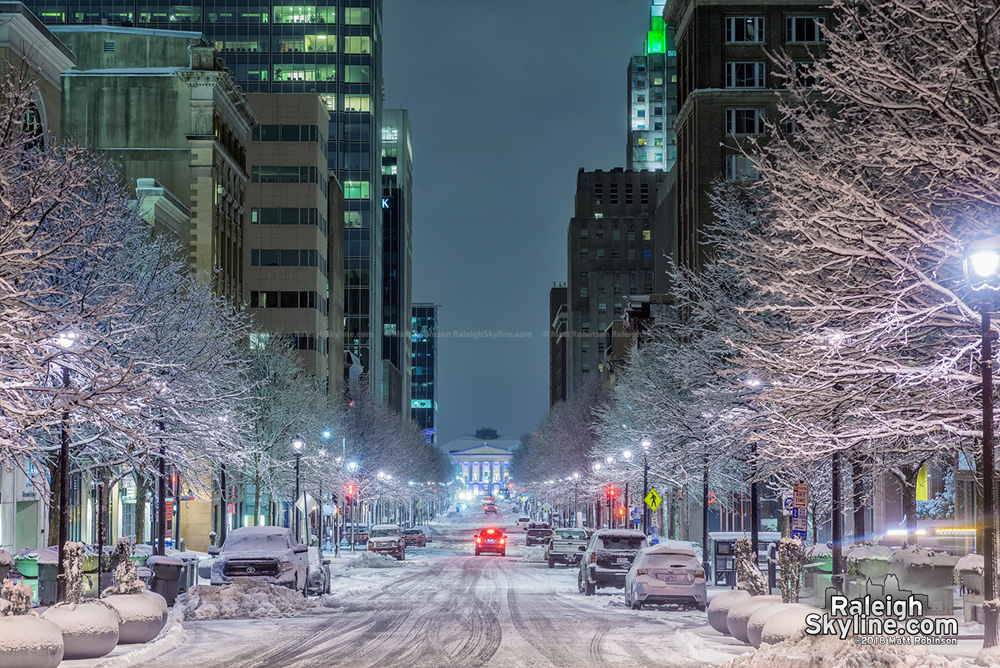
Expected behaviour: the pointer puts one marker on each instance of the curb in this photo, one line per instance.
(170, 639)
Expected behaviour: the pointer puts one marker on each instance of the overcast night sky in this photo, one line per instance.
(508, 99)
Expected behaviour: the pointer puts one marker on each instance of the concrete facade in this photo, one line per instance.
(293, 255)
(166, 105)
(725, 91)
(614, 251)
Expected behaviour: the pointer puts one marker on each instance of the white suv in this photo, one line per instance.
(522, 523)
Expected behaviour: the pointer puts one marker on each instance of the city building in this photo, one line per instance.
(424, 327)
(483, 461)
(165, 105)
(557, 343)
(292, 244)
(397, 258)
(333, 49)
(726, 91)
(614, 251)
(652, 98)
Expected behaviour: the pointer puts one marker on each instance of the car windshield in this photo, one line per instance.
(613, 542)
(244, 542)
(668, 560)
(383, 533)
(412, 532)
(573, 535)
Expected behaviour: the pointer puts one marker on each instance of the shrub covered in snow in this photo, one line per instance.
(244, 598)
(126, 576)
(374, 560)
(747, 574)
(17, 593)
(790, 557)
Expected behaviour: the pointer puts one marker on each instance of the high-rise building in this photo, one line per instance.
(557, 343)
(424, 393)
(332, 48)
(652, 98)
(293, 275)
(613, 252)
(726, 91)
(397, 258)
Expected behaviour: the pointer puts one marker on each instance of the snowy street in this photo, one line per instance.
(446, 607)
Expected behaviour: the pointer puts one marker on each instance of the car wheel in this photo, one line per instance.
(701, 607)
(504, 553)
(552, 563)
(579, 582)
(477, 553)
(637, 605)
(588, 588)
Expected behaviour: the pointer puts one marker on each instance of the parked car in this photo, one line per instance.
(493, 540)
(319, 573)
(267, 553)
(607, 559)
(387, 539)
(538, 535)
(566, 546)
(523, 522)
(415, 537)
(666, 574)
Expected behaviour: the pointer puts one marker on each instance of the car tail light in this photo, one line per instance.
(642, 571)
(490, 531)
(699, 573)
(593, 557)
(503, 540)
(478, 539)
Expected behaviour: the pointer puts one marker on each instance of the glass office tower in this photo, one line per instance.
(330, 48)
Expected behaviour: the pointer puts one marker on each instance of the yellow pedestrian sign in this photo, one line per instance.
(653, 499)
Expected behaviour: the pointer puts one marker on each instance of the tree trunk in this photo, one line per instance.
(907, 478)
(53, 462)
(140, 509)
(256, 501)
(815, 521)
(858, 496)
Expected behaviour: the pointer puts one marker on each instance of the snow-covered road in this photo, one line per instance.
(448, 609)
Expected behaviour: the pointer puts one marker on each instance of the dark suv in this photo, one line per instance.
(608, 557)
(538, 534)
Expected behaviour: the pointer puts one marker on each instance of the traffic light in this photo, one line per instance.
(621, 511)
(335, 499)
(350, 490)
(611, 491)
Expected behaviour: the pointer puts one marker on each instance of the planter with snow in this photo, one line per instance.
(785, 624)
(760, 617)
(89, 630)
(870, 561)
(740, 613)
(142, 616)
(923, 568)
(718, 609)
(970, 569)
(28, 641)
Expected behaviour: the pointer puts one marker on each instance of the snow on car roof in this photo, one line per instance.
(621, 532)
(669, 549)
(265, 531)
(385, 526)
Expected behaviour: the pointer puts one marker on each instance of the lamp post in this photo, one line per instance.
(982, 270)
(65, 341)
(646, 442)
(297, 445)
(319, 511)
(382, 476)
(576, 500)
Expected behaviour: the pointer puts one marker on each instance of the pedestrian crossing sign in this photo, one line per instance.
(653, 499)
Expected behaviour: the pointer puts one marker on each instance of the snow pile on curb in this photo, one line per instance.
(832, 652)
(169, 639)
(245, 598)
(533, 555)
(374, 560)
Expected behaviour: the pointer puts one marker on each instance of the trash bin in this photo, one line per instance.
(48, 583)
(189, 572)
(166, 576)
(145, 574)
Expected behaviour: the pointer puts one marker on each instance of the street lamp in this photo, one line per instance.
(381, 479)
(982, 270)
(576, 500)
(65, 341)
(646, 442)
(351, 500)
(297, 446)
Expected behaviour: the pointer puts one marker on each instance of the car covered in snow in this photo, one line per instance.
(491, 539)
(415, 536)
(566, 546)
(608, 558)
(387, 539)
(319, 572)
(267, 553)
(666, 574)
(491, 508)
(523, 522)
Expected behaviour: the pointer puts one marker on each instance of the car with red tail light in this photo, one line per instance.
(492, 540)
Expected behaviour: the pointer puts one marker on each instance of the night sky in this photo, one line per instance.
(508, 99)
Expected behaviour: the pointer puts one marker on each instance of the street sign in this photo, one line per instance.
(798, 513)
(652, 499)
(786, 504)
(636, 515)
(800, 495)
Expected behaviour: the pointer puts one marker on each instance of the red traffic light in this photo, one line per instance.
(611, 491)
(350, 489)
